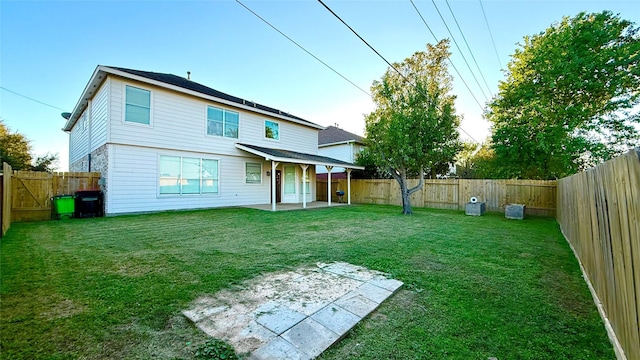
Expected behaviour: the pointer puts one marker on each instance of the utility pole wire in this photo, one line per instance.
(469, 48)
(385, 60)
(32, 99)
(450, 62)
(458, 47)
(490, 34)
(301, 47)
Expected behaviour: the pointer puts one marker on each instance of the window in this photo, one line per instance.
(289, 180)
(185, 175)
(138, 105)
(306, 184)
(271, 130)
(253, 173)
(221, 122)
(83, 124)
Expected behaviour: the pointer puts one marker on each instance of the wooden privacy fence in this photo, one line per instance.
(599, 214)
(26, 195)
(539, 196)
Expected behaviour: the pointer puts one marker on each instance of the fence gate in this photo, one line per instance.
(31, 192)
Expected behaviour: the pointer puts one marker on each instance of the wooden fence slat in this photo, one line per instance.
(598, 211)
(31, 192)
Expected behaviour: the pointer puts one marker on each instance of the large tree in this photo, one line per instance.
(570, 98)
(15, 149)
(412, 131)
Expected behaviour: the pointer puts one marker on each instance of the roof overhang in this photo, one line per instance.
(345, 142)
(101, 72)
(288, 156)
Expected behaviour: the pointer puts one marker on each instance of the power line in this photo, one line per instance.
(301, 47)
(458, 47)
(32, 99)
(469, 48)
(450, 61)
(363, 40)
(490, 34)
(383, 58)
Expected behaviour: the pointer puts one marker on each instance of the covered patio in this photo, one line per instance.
(291, 206)
(277, 156)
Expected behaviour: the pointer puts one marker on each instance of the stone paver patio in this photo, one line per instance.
(293, 315)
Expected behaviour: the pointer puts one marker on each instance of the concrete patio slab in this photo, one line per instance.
(292, 315)
(311, 337)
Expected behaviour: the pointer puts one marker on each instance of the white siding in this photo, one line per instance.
(179, 122)
(99, 116)
(344, 152)
(133, 182)
(79, 139)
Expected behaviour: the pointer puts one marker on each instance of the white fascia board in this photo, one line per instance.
(268, 157)
(88, 93)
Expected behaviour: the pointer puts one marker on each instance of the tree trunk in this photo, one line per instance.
(401, 178)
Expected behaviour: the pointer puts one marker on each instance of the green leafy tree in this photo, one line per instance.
(412, 131)
(570, 98)
(47, 162)
(15, 149)
(477, 161)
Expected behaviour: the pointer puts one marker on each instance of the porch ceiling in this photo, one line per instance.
(295, 157)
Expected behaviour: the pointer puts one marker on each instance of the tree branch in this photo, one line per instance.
(420, 184)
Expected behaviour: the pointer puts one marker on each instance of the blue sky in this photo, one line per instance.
(49, 49)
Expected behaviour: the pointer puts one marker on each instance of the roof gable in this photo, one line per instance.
(177, 83)
(333, 135)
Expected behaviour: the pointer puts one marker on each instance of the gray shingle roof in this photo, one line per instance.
(302, 157)
(194, 86)
(333, 134)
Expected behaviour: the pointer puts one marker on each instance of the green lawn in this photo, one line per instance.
(475, 287)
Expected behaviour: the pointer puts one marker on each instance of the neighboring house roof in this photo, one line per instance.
(294, 156)
(176, 83)
(333, 135)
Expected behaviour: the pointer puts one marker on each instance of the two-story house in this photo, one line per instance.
(338, 144)
(164, 142)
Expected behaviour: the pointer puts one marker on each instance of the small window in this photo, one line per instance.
(271, 130)
(253, 173)
(221, 122)
(138, 105)
(83, 124)
(170, 175)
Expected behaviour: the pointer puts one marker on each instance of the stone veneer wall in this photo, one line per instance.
(99, 163)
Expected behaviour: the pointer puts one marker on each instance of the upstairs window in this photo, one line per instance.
(221, 122)
(271, 130)
(138, 105)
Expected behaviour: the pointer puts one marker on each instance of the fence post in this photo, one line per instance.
(6, 197)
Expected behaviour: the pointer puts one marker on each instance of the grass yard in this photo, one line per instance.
(475, 287)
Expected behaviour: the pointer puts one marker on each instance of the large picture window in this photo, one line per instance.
(253, 173)
(138, 105)
(271, 130)
(221, 122)
(186, 175)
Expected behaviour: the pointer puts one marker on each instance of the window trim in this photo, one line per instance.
(206, 122)
(124, 106)
(181, 194)
(264, 132)
(245, 173)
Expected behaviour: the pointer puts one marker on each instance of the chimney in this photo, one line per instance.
(188, 75)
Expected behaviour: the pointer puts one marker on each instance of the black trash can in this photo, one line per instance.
(89, 203)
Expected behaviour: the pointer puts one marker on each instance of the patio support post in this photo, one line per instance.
(329, 168)
(349, 186)
(273, 185)
(304, 185)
